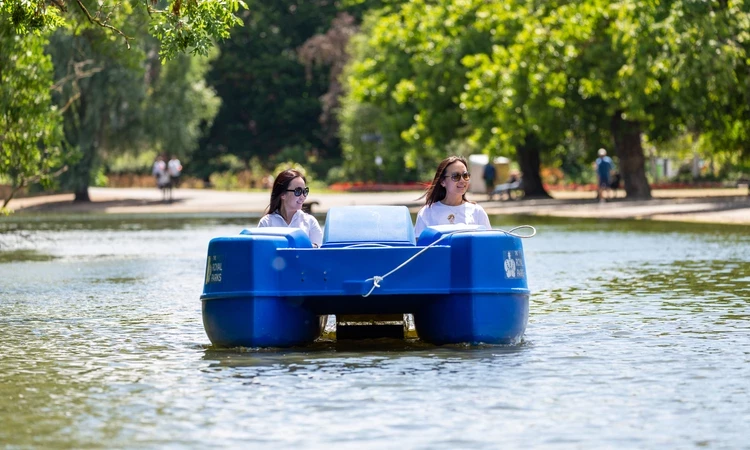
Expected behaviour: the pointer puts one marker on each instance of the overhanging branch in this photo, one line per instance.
(97, 21)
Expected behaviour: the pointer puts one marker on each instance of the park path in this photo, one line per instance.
(723, 206)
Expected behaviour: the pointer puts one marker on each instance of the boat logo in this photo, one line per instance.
(513, 264)
(213, 269)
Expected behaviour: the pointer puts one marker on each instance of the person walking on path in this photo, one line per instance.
(604, 166)
(174, 167)
(446, 198)
(163, 180)
(489, 176)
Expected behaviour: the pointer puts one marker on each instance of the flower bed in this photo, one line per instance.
(361, 186)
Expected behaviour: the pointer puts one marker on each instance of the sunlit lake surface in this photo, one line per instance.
(639, 337)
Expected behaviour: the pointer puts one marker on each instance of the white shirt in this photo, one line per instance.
(440, 214)
(174, 167)
(301, 220)
(160, 172)
(158, 168)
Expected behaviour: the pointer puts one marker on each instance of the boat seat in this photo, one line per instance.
(362, 225)
(294, 236)
(433, 233)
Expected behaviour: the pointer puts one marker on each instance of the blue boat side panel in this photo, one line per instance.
(259, 322)
(478, 263)
(473, 318)
(239, 270)
(488, 302)
(352, 225)
(242, 263)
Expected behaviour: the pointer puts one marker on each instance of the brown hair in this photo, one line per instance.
(436, 192)
(280, 185)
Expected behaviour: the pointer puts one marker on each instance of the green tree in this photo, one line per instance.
(707, 45)
(190, 25)
(30, 127)
(406, 64)
(98, 111)
(329, 49)
(179, 105)
(268, 103)
(128, 102)
(602, 72)
(498, 99)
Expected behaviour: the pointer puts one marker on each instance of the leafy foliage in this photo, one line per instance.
(180, 25)
(269, 102)
(101, 88)
(30, 127)
(407, 65)
(27, 17)
(180, 105)
(592, 73)
(194, 25)
(129, 101)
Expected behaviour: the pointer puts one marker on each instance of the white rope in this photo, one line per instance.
(377, 279)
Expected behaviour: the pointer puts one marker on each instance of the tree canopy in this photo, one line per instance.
(101, 52)
(534, 76)
(30, 133)
(270, 104)
(180, 25)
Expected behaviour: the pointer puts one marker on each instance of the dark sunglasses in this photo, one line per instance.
(299, 191)
(455, 176)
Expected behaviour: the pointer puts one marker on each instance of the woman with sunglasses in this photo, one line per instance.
(446, 198)
(288, 194)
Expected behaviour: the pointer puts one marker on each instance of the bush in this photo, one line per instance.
(224, 181)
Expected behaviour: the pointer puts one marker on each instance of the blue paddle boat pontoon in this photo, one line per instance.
(266, 287)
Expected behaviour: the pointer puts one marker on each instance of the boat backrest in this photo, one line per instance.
(295, 236)
(434, 233)
(352, 225)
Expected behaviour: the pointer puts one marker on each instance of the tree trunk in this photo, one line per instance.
(82, 195)
(528, 159)
(79, 133)
(81, 174)
(627, 136)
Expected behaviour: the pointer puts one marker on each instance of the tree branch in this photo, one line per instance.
(103, 24)
(79, 73)
(59, 4)
(27, 181)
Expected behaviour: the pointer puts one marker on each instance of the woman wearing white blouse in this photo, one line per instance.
(445, 199)
(288, 194)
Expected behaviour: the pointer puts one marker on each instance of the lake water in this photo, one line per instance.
(638, 337)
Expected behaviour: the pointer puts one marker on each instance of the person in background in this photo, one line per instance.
(445, 198)
(163, 180)
(604, 166)
(489, 174)
(174, 167)
(158, 167)
(288, 194)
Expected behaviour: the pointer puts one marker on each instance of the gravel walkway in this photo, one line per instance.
(721, 206)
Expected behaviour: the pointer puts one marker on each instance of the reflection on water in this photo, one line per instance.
(23, 255)
(637, 339)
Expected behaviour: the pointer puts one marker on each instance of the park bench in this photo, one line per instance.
(508, 191)
(308, 206)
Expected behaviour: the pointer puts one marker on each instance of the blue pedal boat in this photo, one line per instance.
(266, 287)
